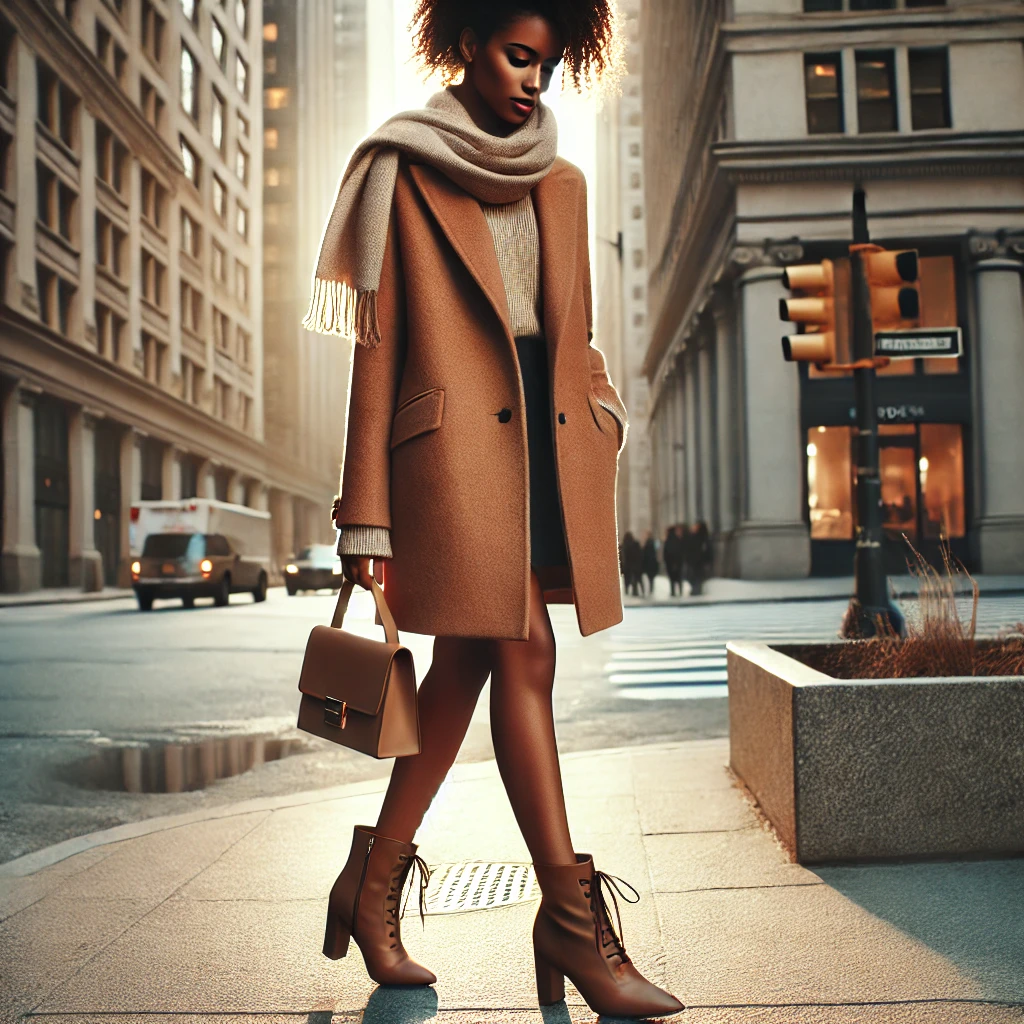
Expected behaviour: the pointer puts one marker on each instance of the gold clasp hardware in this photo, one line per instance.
(335, 712)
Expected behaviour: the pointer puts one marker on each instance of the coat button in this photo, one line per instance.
(561, 417)
(505, 415)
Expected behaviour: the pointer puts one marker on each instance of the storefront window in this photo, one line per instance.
(830, 483)
(942, 480)
(897, 464)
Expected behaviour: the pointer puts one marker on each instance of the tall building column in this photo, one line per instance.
(772, 539)
(206, 481)
(236, 488)
(692, 440)
(1000, 348)
(707, 431)
(257, 495)
(21, 558)
(170, 486)
(282, 511)
(85, 565)
(725, 433)
(131, 492)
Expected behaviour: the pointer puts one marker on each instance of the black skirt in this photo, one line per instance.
(547, 534)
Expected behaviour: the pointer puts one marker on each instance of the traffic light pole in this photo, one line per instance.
(871, 607)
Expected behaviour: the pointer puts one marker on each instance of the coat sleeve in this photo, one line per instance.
(375, 377)
(600, 383)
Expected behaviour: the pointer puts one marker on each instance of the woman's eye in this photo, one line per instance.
(518, 62)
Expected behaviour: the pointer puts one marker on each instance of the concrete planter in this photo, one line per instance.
(878, 768)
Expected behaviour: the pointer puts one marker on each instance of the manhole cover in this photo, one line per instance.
(458, 888)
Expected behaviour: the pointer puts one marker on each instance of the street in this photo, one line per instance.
(81, 683)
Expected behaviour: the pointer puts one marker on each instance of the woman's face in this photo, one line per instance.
(514, 66)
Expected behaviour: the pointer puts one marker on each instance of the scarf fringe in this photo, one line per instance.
(339, 309)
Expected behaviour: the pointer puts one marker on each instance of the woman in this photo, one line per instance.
(481, 454)
(650, 561)
(700, 557)
(672, 550)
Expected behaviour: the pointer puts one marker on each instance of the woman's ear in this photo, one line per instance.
(467, 44)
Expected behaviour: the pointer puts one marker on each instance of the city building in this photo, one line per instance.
(620, 271)
(131, 223)
(319, 57)
(760, 116)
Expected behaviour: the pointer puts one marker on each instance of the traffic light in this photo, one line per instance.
(893, 281)
(814, 309)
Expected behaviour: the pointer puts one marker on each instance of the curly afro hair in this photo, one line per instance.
(593, 46)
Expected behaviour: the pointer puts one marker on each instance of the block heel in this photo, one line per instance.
(336, 937)
(550, 981)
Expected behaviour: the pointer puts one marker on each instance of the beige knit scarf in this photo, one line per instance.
(489, 167)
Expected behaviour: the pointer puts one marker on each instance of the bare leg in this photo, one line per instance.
(523, 731)
(447, 698)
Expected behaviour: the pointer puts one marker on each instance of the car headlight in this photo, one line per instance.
(291, 568)
(335, 570)
(206, 566)
(136, 568)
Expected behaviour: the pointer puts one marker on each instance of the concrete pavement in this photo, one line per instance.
(219, 915)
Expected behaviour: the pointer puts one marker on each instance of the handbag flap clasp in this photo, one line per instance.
(347, 668)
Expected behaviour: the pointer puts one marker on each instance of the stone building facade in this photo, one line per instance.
(131, 334)
(759, 118)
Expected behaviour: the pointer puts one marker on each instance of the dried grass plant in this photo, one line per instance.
(939, 642)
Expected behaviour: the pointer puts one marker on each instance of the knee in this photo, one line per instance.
(464, 658)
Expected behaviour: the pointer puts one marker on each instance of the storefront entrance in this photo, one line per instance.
(107, 514)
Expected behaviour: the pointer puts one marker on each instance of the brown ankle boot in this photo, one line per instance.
(364, 906)
(573, 937)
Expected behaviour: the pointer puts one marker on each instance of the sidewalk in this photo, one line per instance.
(63, 595)
(720, 590)
(219, 917)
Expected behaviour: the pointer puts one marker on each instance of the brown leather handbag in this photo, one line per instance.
(360, 692)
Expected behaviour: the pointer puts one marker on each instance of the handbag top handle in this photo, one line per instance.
(390, 629)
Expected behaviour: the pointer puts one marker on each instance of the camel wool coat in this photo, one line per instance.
(436, 443)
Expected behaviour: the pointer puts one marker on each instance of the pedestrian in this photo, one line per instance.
(650, 560)
(699, 557)
(672, 552)
(448, 224)
(632, 565)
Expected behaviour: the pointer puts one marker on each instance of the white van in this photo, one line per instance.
(198, 547)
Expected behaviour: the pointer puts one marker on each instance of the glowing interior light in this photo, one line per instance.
(923, 464)
(812, 450)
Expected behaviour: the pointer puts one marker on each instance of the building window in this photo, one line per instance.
(221, 327)
(154, 280)
(110, 244)
(243, 125)
(245, 413)
(270, 32)
(154, 200)
(242, 222)
(824, 93)
(276, 98)
(242, 284)
(189, 162)
(272, 177)
(217, 44)
(271, 137)
(191, 239)
(6, 146)
(152, 103)
(244, 348)
(58, 106)
(109, 333)
(154, 360)
(111, 158)
(270, 64)
(242, 166)
(830, 483)
(220, 200)
(189, 84)
(876, 93)
(110, 55)
(191, 308)
(929, 89)
(217, 122)
(242, 15)
(191, 9)
(152, 32)
(7, 37)
(56, 299)
(241, 76)
(220, 264)
(192, 392)
(221, 398)
(56, 203)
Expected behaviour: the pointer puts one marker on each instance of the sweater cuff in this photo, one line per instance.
(365, 541)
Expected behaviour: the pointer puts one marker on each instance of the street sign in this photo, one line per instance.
(930, 342)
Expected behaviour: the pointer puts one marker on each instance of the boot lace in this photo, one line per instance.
(609, 935)
(400, 874)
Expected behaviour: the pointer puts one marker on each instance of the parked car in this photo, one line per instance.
(313, 568)
(199, 548)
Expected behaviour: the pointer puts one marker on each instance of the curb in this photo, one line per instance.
(72, 597)
(30, 863)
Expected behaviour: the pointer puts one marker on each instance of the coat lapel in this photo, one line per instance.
(556, 200)
(462, 221)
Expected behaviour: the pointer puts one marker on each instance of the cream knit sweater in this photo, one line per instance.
(513, 227)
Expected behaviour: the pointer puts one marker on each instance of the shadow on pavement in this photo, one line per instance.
(397, 1005)
(970, 912)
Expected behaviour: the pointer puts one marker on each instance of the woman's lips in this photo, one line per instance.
(523, 106)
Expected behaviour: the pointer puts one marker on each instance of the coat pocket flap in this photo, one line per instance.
(418, 415)
(347, 667)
